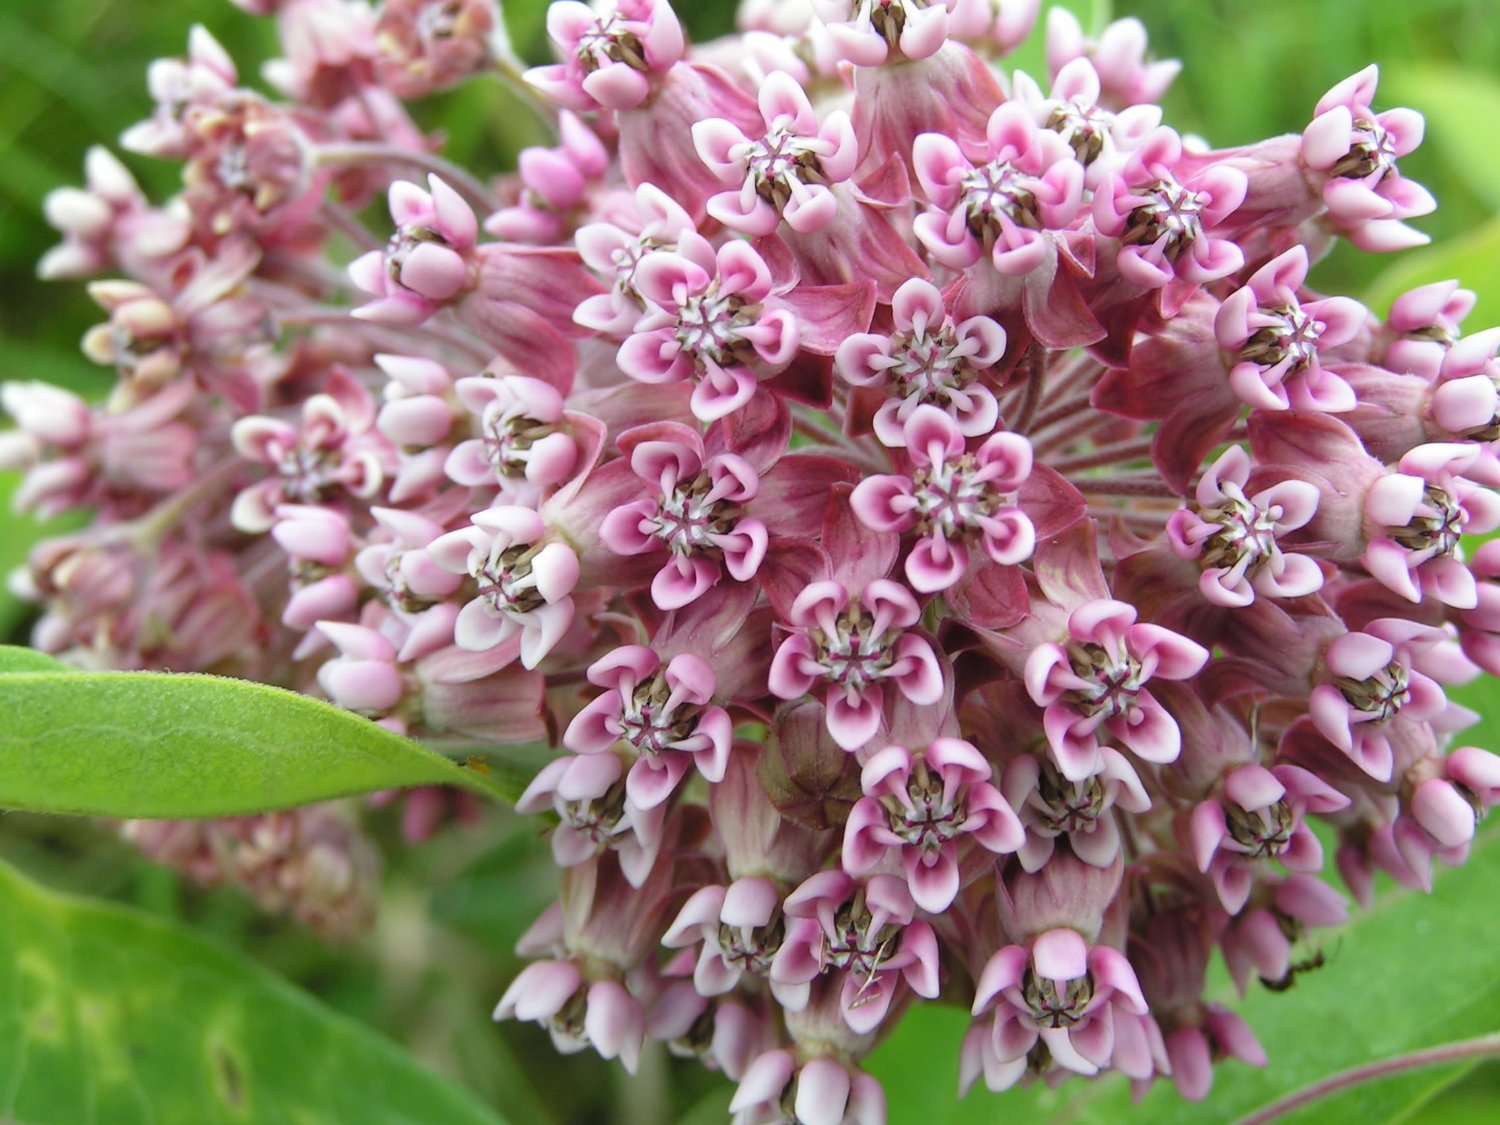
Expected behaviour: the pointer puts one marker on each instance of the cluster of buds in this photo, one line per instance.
(311, 863)
(955, 556)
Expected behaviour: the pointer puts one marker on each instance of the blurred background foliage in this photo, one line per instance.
(72, 74)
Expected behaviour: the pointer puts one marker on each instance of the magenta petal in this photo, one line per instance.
(614, 1023)
(853, 721)
(863, 851)
(1207, 829)
(933, 886)
(700, 910)
(650, 783)
(865, 1001)
(1148, 731)
(764, 1080)
(823, 1088)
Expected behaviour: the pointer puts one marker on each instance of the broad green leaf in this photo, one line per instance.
(1453, 99)
(14, 660)
(109, 1015)
(1473, 259)
(1414, 971)
(146, 744)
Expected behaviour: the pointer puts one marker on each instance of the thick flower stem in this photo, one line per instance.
(1120, 453)
(1485, 1046)
(314, 315)
(1068, 409)
(1123, 486)
(356, 152)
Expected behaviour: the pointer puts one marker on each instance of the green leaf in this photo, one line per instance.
(15, 660)
(1412, 972)
(109, 1015)
(147, 744)
(1473, 259)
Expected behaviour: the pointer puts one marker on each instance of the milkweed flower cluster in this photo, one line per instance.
(954, 554)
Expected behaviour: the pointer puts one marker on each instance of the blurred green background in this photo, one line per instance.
(72, 74)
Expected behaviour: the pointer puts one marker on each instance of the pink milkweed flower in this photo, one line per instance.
(250, 169)
(409, 581)
(1465, 399)
(1191, 1049)
(778, 1089)
(329, 46)
(1059, 991)
(1119, 56)
(108, 223)
(577, 1013)
(1478, 628)
(1357, 149)
(1164, 224)
(868, 32)
(1426, 322)
(1049, 806)
(587, 793)
(1416, 517)
(447, 691)
(615, 248)
(722, 1033)
(179, 85)
(783, 174)
(1373, 682)
(1259, 814)
(318, 544)
(952, 497)
(1097, 680)
(612, 52)
(144, 338)
(1260, 939)
(1450, 805)
(845, 649)
(1002, 209)
(922, 806)
(1274, 339)
(1100, 139)
(429, 261)
(521, 446)
(708, 319)
(334, 450)
(862, 930)
(1170, 954)
(74, 456)
(416, 411)
(1443, 800)
(555, 185)
(524, 582)
(364, 677)
(1002, 24)
(697, 516)
(423, 46)
(741, 928)
(203, 321)
(928, 359)
(1234, 537)
(663, 712)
